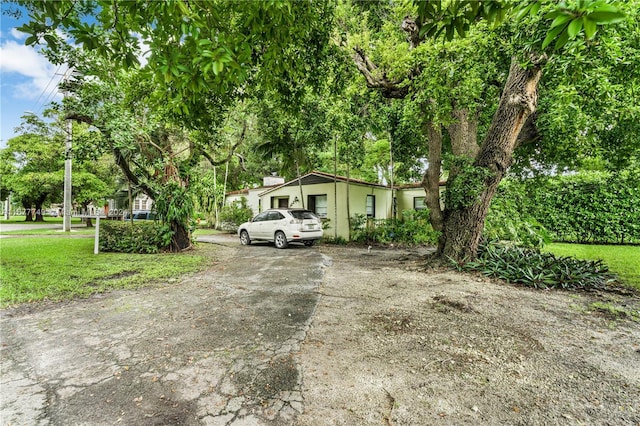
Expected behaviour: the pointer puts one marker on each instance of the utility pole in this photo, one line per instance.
(66, 213)
(335, 187)
(67, 179)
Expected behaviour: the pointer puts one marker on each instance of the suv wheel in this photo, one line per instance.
(244, 238)
(280, 240)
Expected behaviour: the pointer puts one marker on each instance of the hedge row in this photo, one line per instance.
(595, 207)
(137, 237)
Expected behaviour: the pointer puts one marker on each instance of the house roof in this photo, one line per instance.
(238, 192)
(418, 185)
(316, 177)
(245, 191)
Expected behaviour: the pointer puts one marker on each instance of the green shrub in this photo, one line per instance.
(413, 229)
(532, 268)
(507, 221)
(138, 237)
(235, 214)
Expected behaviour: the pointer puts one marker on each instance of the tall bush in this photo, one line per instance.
(589, 207)
(235, 214)
(593, 207)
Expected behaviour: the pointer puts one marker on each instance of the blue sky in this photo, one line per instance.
(28, 82)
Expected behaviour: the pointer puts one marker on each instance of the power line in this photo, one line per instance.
(46, 88)
(53, 93)
(50, 97)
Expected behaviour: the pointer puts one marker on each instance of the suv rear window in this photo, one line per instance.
(302, 214)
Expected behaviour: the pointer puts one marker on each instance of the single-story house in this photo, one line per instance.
(252, 195)
(336, 198)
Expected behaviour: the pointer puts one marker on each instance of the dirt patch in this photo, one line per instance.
(394, 344)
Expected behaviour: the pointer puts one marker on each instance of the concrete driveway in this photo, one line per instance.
(215, 348)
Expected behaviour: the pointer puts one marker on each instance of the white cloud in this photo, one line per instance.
(145, 50)
(17, 34)
(37, 74)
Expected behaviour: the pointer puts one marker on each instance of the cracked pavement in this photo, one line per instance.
(216, 348)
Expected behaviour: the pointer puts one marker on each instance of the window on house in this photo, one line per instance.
(418, 203)
(318, 204)
(371, 206)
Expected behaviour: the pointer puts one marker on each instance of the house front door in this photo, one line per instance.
(283, 203)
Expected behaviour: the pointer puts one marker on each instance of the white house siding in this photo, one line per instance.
(407, 194)
(254, 201)
(406, 198)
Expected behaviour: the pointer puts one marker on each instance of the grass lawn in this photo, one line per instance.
(622, 260)
(35, 269)
(57, 231)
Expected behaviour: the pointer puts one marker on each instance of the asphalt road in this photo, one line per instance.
(214, 349)
(6, 227)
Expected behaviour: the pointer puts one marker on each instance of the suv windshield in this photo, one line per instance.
(302, 214)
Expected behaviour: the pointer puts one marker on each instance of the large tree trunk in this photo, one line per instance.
(464, 133)
(28, 211)
(181, 239)
(39, 202)
(431, 178)
(463, 225)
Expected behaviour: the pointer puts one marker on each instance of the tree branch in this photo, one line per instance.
(242, 161)
(389, 89)
(231, 151)
(120, 159)
(529, 132)
(412, 26)
(79, 118)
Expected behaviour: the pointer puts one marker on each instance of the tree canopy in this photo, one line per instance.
(34, 167)
(475, 87)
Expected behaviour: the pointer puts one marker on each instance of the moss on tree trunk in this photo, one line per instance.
(463, 224)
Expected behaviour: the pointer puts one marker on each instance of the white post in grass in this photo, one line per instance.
(7, 206)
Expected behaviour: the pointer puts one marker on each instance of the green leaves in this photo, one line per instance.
(569, 21)
(568, 18)
(585, 208)
(457, 16)
(540, 270)
(464, 188)
(198, 50)
(605, 13)
(126, 237)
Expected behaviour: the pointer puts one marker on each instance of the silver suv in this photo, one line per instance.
(282, 226)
